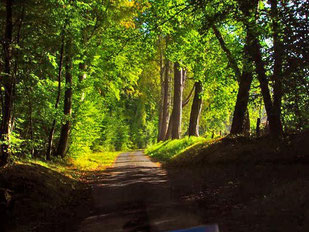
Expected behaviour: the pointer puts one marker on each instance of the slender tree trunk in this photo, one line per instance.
(255, 53)
(257, 130)
(246, 130)
(185, 102)
(240, 120)
(277, 75)
(232, 61)
(162, 95)
(196, 110)
(8, 84)
(254, 50)
(169, 129)
(177, 107)
(52, 130)
(65, 129)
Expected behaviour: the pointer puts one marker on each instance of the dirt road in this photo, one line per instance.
(135, 195)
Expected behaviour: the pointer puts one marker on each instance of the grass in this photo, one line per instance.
(245, 184)
(166, 150)
(94, 161)
(40, 195)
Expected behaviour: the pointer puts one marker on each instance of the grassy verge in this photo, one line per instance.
(245, 184)
(37, 195)
(94, 161)
(166, 150)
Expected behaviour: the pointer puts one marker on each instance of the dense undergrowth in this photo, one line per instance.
(37, 195)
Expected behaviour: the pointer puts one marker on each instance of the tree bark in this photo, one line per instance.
(196, 110)
(257, 130)
(52, 130)
(277, 74)
(161, 94)
(177, 107)
(65, 129)
(255, 53)
(241, 103)
(166, 101)
(8, 84)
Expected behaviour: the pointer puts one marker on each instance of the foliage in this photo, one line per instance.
(117, 49)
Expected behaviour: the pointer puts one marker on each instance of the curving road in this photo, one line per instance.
(135, 195)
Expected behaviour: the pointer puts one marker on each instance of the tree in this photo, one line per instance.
(67, 110)
(196, 110)
(8, 83)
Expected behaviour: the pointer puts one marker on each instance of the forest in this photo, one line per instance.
(85, 76)
(79, 75)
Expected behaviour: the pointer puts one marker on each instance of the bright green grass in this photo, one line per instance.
(164, 151)
(74, 167)
(96, 161)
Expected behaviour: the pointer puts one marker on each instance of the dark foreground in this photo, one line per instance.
(241, 184)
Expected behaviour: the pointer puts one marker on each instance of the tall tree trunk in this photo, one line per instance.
(196, 110)
(277, 75)
(177, 107)
(8, 84)
(255, 53)
(65, 129)
(240, 120)
(238, 123)
(161, 93)
(166, 101)
(52, 130)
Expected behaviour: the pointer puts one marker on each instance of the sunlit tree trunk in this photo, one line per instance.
(166, 101)
(177, 106)
(196, 110)
(8, 84)
(162, 95)
(66, 127)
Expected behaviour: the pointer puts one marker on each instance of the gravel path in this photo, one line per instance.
(135, 195)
